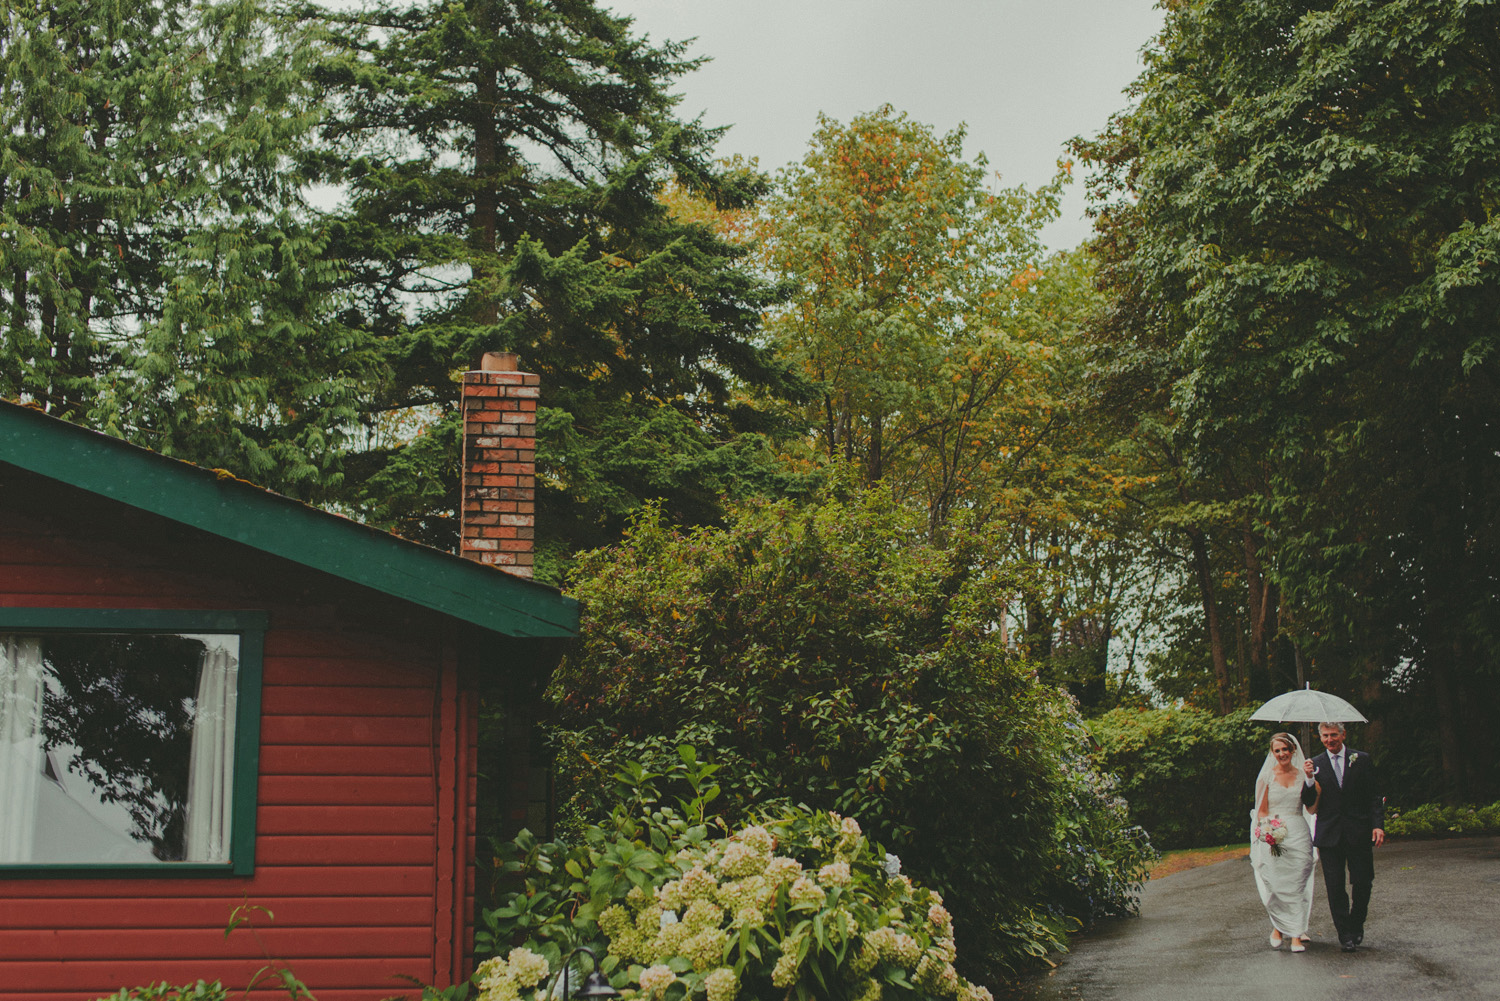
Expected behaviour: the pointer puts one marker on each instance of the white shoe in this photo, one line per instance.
(1276, 940)
(1297, 945)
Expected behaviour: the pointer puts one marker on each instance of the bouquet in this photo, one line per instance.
(1271, 831)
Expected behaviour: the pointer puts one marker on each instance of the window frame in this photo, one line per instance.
(250, 626)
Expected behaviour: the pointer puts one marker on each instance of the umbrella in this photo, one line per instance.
(1308, 706)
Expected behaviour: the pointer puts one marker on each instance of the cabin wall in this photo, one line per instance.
(366, 802)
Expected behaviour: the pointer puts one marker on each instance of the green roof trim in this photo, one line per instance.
(232, 509)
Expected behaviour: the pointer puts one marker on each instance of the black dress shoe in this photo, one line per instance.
(1359, 938)
(1346, 943)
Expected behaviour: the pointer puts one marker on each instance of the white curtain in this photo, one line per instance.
(21, 686)
(211, 767)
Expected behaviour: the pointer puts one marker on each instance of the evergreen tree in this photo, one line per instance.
(503, 161)
(160, 277)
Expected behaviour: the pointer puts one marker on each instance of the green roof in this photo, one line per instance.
(233, 509)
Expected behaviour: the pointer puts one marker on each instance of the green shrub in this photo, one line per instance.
(1187, 774)
(1434, 820)
(801, 905)
(826, 655)
(163, 991)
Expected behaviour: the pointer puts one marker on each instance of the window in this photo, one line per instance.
(128, 739)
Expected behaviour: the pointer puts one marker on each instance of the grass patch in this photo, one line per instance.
(1183, 859)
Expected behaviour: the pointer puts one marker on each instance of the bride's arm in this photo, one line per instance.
(1262, 800)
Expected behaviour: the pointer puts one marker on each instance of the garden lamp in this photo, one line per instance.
(593, 986)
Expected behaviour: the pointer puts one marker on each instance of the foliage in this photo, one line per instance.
(946, 357)
(1298, 231)
(1187, 774)
(907, 267)
(829, 656)
(800, 904)
(198, 991)
(162, 279)
(498, 173)
(1100, 854)
(502, 163)
(1436, 820)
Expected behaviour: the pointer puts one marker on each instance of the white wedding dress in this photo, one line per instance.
(1285, 881)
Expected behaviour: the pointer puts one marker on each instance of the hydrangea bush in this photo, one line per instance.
(800, 905)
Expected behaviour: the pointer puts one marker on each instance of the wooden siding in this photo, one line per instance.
(364, 843)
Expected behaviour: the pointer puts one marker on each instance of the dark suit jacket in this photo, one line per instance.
(1347, 814)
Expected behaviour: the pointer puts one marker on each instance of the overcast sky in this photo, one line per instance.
(1025, 76)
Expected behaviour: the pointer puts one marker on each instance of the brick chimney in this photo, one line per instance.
(498, 519)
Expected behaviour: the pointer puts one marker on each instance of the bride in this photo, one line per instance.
(1283, 878)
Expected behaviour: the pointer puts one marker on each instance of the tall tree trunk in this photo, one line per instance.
(1038, 630)
(832, 424)
(846, 426)
(1370, 674)
(1259, 606)
(1204, 573)
(485, 225)
(57, 400)
(1439, 663)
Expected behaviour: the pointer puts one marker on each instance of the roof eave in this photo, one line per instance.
(221, 505)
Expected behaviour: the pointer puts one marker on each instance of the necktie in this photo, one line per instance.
(1338, 767)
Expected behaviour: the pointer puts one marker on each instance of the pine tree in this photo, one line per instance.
(161, 277)
(503, 161)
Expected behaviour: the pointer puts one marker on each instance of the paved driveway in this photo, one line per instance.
(1433, 932)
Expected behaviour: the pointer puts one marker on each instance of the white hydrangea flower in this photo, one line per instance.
(882, 943)
(502, 989)
(614, 920)
(891, 865)
(705, 950)
(741, 860)
(702, 914)
(490, 973)
(722, 985)
(805, 891)
(836, 874)
(649, 920)
(937, 976)
(526, 967)
(698, 884)
(752, 891)
(669, 940)
(785, 972)
(749, 917)
(780, 869)
(759, 839)
(656, 979)
(670, 895)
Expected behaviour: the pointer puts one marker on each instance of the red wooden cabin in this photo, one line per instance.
(211, 695)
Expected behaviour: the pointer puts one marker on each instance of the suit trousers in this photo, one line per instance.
(1359, 862)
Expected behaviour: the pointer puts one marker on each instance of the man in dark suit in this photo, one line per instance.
(1351, 824)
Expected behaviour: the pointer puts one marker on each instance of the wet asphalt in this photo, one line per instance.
(1433, 932)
